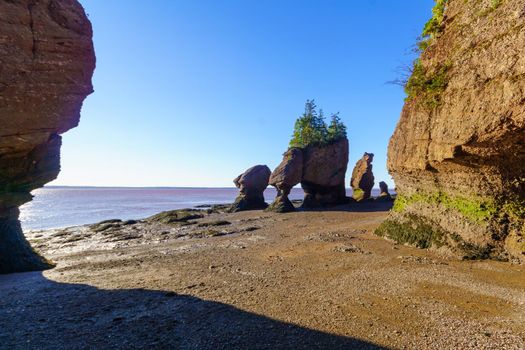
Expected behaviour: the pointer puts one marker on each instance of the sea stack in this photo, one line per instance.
(288, 174)
(362, 180)
(457, 155)
(47, 62)
(251, 185)
(383, 191)
(324, 170)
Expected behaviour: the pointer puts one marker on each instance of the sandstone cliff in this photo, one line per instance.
(46, 63)
(458, 153)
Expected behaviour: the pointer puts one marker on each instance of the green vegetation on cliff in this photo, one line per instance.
(415, 231)
(311, 128)
(427, 85)
(434, 26)
(475, 208)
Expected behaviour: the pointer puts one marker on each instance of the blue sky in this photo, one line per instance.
(191, 93)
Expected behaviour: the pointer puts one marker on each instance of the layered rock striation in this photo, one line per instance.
(458, 152)
(46, 63)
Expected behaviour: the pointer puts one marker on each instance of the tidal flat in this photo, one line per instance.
(206, 279)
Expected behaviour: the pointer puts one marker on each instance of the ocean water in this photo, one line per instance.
(55, 207)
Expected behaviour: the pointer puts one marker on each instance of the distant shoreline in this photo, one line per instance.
(159, 188)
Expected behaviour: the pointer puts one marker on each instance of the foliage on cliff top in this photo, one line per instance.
(434, 25)
(423, 83)
(311, 128)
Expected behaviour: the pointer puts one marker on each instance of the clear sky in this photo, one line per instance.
(193, 92)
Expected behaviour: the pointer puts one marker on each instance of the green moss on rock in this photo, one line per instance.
(358, 194)
(502, 218)
(476, 209)
(422, 233)
(473, 251)
(281, 205)
(415, 230)
(176, 217)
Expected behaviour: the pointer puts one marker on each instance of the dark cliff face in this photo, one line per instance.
(458, 152)
(47, 60)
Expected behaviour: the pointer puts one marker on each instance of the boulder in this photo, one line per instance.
(251, 185)
(362, 180)
(324, 170)
(384, 194)
(47, 62)
(288, 174)
(457, 155)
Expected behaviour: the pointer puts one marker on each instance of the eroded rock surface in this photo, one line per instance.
(251, 185)
(46, 63)
(288, 174)
(324, 173)
(458, 152)
(363, 178)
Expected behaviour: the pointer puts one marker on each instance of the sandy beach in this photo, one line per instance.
(257, 280)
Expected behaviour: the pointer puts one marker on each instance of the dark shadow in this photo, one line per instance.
(371, 206)
(367, 206)
(36, 313)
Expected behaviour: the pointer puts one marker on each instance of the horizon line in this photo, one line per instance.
(157, 187)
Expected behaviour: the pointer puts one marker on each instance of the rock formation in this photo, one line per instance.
(47, 60)
(324, 170)
(288, 174)
(384, 194)
(362, 180)
(251, 185)
(458, 152)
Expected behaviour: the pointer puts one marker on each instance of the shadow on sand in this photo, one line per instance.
(361, 207)
(37, 313)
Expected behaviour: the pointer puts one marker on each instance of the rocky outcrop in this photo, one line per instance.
(362, 180)
(458, 153)
(384, 194)
(324, 170)
(47, 60)
(288, 174)
(251, 185)
(383, 190)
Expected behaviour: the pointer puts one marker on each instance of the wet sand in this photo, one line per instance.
(257, 280)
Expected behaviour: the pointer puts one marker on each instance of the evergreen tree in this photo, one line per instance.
(336, 130)
(311, 128)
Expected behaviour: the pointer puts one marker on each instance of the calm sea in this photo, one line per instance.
(54, 207)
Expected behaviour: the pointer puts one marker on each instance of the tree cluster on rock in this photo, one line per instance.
(317, 159)
(311, 128)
